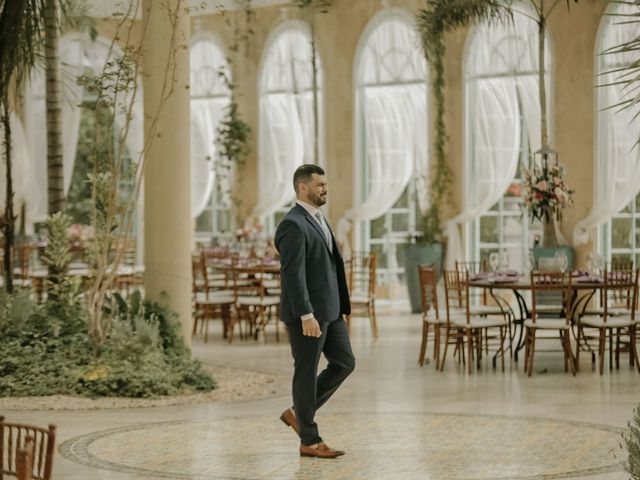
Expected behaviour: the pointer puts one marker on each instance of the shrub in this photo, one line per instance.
(46, 350)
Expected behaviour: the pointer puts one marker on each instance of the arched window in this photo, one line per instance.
(391, 141)
(617, 171)
(210, 193)
(502, 128)
(286, 118)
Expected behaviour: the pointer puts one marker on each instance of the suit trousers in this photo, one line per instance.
(310, 390)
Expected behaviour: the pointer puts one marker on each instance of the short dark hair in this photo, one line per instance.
(304, 172)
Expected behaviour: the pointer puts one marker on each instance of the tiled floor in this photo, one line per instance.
(395, 419)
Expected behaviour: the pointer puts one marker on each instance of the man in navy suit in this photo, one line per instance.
(314, 299)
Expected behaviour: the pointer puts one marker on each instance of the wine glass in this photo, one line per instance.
(562, 262)
(590, 262)
(494, 261)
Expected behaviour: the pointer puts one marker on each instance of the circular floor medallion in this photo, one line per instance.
(379, 446)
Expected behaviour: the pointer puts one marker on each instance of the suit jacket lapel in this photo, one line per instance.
(314, 223)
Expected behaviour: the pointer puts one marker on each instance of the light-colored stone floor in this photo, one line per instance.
(395, 419)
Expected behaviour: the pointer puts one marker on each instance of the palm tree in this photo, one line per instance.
(20, 33)
(53, 102)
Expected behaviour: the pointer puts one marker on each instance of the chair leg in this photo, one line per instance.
(580, 334)
(470, 350)
(501, 351)
(372, 319)
(526, 350)
(436, 344)
(610, 350)
(601, 348)
(569, 353)
(423, 344)
(446, 347)
(632, 346)
(532, 349)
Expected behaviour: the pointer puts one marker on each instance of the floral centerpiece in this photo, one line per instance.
(78, 234)
(545, 194)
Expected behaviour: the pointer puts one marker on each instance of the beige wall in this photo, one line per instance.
(338, 32)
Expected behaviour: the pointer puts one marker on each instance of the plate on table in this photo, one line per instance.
(502, 280)
(588, 280)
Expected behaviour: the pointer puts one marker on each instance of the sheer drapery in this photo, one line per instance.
(24, 182)
(495, 127)
(391, 120)
(395, 124)
(78, 55)
(209, 97)
(286, 116)
(501, 70)
(282, 152)
(617, 170)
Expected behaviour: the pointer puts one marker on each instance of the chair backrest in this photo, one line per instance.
(247, 276)
(545, 285)
(456, 291)
(428, 289)
(24, 460)
(361, 274)
(620, 290)
(12, 438)
(472, 266)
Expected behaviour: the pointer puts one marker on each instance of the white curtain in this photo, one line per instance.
(617, 179)
(494, 145)
(24, 183)
(286, 116)
(617, 169)
(395, 125)
(209, 98)
(282, 152)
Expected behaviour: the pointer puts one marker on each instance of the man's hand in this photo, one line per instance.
(311, 328)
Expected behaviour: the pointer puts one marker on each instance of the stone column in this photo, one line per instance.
(167, 174)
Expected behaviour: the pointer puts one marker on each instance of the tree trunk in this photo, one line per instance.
(53, 99)
(9, 219)
(541, 78)
(314, 91)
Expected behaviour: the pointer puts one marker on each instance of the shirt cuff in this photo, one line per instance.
(307, 316)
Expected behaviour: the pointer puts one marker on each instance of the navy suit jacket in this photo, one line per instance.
(313, 278)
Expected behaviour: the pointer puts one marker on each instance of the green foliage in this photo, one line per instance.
(435, 19)
(632, 443)
(64, 291)
(43, 353)
(233, 133)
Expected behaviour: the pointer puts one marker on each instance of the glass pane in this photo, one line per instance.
(204, 223)
(495, 207)
(403, 201)
(621, 257)
(637, 203)
(224, 223)
(381, 256)
(489, 232)
(401, 250)
(378, 227)
(400, 222)
(627, 209)
(621, 233)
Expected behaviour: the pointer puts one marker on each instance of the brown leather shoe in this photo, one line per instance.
(321, 450)
(288, 417)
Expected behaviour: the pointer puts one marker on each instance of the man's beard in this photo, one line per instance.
(317, 200)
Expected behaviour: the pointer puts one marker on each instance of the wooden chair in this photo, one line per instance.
(619, 297)
(13, 438)
(24, 460)
(254, 304)
(209, 304)
(431, 316)
(465, 326)
(361, 280)
(549, 283)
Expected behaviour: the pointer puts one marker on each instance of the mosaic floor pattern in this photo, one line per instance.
(379, 446)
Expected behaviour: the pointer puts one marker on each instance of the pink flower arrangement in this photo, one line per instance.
(545, 193)
(78, 233)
